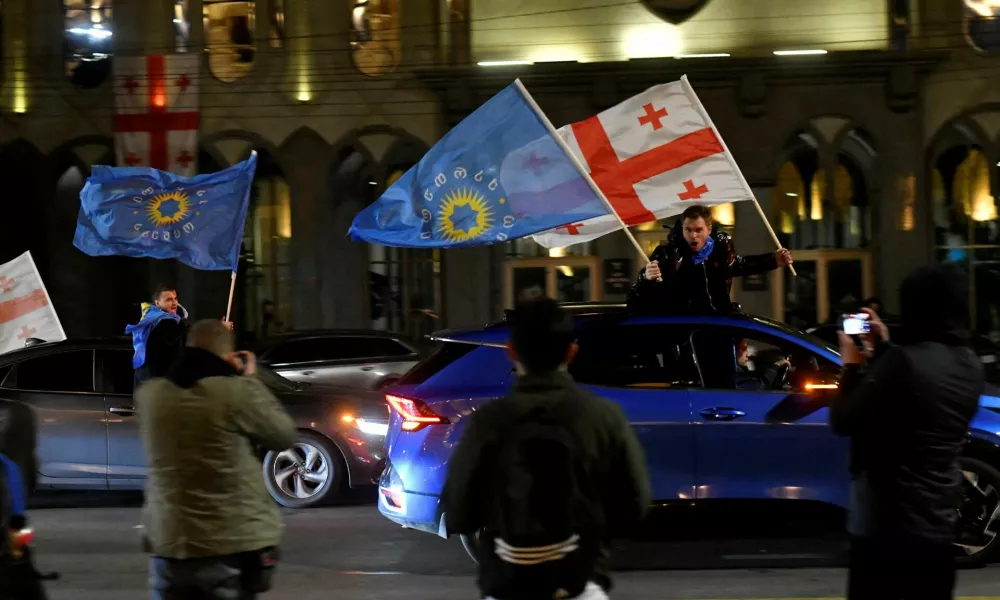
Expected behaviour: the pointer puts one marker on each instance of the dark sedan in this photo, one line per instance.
(88, 436)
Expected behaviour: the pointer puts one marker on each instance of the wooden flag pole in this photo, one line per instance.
(232, 292)
(579, 166)
(732, 161)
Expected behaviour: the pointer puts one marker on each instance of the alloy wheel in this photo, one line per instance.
(302, 471)
(979, 515)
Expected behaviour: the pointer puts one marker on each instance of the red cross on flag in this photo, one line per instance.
(25, 308)
(156, 120)
(652, 156)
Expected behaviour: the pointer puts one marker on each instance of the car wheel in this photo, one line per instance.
(472, 546)
(979, 512)
(306, 475)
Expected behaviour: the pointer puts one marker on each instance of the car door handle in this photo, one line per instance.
(308, 373)
(125, 411)
(722, 413)
(366, 369)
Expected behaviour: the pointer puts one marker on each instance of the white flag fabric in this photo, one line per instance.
(156, 105)
(652, 156)
(26, 310)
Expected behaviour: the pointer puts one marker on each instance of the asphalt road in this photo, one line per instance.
(351, 553)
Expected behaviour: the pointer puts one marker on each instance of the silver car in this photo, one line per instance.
(357, 358)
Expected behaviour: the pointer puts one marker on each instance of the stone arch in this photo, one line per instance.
(252, 140)
(22, 166)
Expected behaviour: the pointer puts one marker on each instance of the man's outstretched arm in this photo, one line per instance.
(754, 264)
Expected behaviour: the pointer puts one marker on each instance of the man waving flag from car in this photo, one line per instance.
(652, 156)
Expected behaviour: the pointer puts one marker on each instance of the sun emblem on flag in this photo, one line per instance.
(169, 208)
(464, 214)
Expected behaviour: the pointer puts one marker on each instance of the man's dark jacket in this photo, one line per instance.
(687, 287)
(163, 348)
(611, 455)
(908, 416)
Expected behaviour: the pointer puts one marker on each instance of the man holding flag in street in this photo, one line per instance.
(144, 212)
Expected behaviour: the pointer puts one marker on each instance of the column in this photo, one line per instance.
(466, 286)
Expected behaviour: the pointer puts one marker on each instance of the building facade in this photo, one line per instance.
(868, 129)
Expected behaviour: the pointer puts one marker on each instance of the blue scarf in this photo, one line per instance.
(11, 477)
(706, 250)
(151, 317)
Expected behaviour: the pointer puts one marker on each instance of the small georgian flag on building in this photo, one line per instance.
(156, 112)
(652, 156)
(26, 310)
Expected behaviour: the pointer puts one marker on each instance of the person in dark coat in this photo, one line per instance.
(160, 334)
(697, 266)
(907, 411)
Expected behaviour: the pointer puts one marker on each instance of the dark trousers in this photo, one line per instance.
(901, 570)
(216, 578)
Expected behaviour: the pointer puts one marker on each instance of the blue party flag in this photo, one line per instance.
(144, 212)
(499, 175)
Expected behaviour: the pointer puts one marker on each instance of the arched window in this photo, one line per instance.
(87, 41)
(982, 25)
(376, 41)
(229, 38)
(966, 220)
(807, 213)
(277, 18)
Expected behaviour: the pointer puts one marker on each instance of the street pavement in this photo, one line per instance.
(350, 552)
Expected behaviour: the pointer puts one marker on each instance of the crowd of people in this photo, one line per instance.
(549, 475)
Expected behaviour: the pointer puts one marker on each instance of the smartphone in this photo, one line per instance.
(856, 324)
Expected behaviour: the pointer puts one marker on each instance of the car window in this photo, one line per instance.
(655, 357)
(730, 358)
(4, 371)
(61, 372)
(118, 377)
(388, 347)
(298, 351)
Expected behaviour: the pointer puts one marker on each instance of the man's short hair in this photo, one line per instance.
(697, 212)
(163, 287)
(211, 335)
(541, 333)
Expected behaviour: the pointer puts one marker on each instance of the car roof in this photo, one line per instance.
(122, 343)
(596, 313)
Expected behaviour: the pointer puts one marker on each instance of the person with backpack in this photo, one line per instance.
(546, 476)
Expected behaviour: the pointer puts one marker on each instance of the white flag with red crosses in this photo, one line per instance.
(156, 112)
(26, 310)
(652, 156)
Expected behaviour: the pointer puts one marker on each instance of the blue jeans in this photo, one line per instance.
(216, 578)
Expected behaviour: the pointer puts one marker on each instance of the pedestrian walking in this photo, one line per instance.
(210, 525)
(546, 476)
(907, 411)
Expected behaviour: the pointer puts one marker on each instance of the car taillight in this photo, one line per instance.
(21, 538)
(416, 414)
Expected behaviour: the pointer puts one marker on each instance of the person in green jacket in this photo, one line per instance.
(210, 525)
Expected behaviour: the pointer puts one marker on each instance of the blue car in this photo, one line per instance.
(726, 408)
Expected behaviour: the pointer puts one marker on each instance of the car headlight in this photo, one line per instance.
(372, 427)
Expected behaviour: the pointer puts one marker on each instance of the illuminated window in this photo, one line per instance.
(982, 25)
(229, 38)
(277, 17)
(182, 26)
(87, 41)
(376, 45)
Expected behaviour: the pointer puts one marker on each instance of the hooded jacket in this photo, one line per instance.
(908, 412)
(687, 287)
(157, 339)
(205, 496)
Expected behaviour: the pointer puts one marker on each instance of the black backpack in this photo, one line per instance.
(546, 522)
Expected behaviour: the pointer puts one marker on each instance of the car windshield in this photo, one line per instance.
(806, 337)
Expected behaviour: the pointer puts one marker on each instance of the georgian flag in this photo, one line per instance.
(652, 156)
(26, 310)
(156, 106)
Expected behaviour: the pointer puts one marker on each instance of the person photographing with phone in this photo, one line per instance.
(209, 523)
(906, 404)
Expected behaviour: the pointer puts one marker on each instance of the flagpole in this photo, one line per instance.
(732, 161)
(232, 292)
(579, 166)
